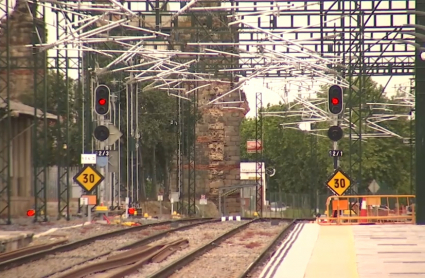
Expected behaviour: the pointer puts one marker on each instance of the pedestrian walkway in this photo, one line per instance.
(351, 251)
(395, 251)
(333, 254)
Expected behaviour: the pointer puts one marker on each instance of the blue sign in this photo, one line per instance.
(102, 161)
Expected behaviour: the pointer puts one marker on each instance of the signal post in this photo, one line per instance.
(102, 96)
(338, 182)
(106, 135)
(335, 133)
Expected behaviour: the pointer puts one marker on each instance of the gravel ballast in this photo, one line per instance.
(232, 256)
(77, 233)
(27, 224)
(53, 263)
(197, 237)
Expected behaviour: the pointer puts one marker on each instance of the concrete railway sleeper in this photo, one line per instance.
(236, 253)
(49, 262)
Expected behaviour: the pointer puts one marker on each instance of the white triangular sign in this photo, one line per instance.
(114, 134)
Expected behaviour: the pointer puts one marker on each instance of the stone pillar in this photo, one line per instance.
(218, 140)
(21, 63)
(218, 145)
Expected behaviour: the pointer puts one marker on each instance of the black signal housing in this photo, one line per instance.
(102, 96)
(335, 99)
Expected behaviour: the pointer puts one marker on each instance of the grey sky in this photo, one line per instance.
(275, 95)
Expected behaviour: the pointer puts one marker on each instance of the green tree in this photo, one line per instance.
(58, 96)
(157, 116)
(301, 160)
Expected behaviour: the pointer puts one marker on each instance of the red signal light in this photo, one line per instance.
(335, 101)
(102, 101)
(30, 212)
(131, 211)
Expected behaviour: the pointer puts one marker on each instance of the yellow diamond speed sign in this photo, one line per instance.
(339, 182)
(88, 178)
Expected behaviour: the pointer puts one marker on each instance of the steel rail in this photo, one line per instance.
(156, 257)
(74, 245)
(269, 249)
(30, 249)
(143, 241)
(140, 257)
(184, 261)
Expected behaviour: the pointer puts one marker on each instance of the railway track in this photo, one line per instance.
(28, 260)
(202, 248)
(234, 254)
(160, 246)
(127, 262)
(252, 243)
(29, 250)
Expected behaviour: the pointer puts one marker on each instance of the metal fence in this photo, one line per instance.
(293, 205)
(286, 205)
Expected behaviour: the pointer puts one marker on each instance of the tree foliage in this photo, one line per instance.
(301, 158)
(157, 115)
(56, 96)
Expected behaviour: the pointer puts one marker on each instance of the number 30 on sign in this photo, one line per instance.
(339, 182)
(88, 178)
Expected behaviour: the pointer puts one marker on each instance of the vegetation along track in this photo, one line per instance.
(235, 253)
(47, 262)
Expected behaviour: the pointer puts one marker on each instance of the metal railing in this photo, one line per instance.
(369, 209)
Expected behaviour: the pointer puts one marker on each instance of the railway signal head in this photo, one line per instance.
(102, 99)
(335, 133)
(335, 99)
(101, 133)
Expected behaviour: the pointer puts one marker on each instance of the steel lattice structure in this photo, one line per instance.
(182, 47)
(259, 152)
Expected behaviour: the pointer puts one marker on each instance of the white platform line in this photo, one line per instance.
(274, 262)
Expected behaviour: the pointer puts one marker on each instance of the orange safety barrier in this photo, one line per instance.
(369, 210)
